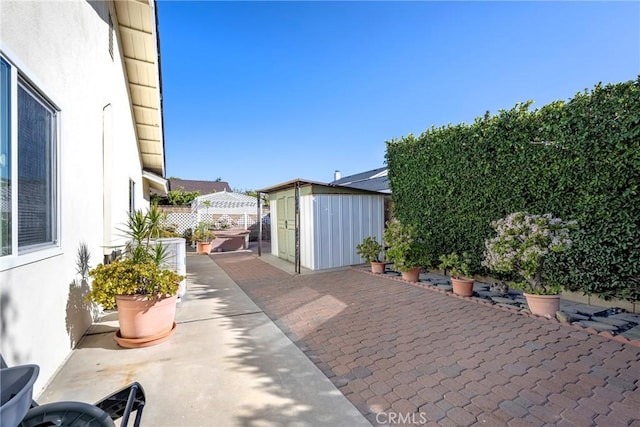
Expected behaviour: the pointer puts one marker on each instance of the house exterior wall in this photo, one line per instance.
(63, 49)
(336, 224)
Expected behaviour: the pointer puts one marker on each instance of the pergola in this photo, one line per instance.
(225, 203)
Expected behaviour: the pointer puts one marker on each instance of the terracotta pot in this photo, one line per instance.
(144, 342)
(140, 318)
(377, 267)
(543, 305)
(462, 287)
(412, 275)
(203, 248)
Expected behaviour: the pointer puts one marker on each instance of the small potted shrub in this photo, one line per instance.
(203, 236)
(458, 268)
(370, 251)
(520, 247)
(403, 249)
(143, 291)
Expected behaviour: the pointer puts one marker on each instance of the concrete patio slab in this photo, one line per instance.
(226, 365)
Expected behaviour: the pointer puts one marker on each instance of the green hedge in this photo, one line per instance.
(578, 160)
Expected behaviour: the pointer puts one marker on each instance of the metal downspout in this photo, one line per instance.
(297, 225)
(259, 225)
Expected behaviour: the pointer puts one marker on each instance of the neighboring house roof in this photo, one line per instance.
(204, 187)
(137, 26)
(373, 180)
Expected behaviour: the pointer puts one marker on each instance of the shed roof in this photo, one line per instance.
(305, 183)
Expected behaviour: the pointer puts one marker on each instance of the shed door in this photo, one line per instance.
(286, 206)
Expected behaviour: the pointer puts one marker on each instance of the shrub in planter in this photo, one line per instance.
(128, 277)
(460, 271)
(370, 251)
(139, 280)
(404, 249)
(203, 236)
(521, 245)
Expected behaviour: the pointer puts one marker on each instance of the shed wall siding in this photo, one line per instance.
(340, 222)
(307, 227)
(273, 203)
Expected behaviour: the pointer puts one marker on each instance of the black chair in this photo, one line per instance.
(16, 380)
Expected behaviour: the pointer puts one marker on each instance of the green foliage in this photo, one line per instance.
(405, 248)
(369, 249)
(141, 272)
(141, 229)
(128, 277)
(157, 199)
(203, 233)
(180, 197)
(578, 159)
(458, 267)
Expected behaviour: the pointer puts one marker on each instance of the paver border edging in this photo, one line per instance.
(604, 334)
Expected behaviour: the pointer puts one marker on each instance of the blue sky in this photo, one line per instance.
(258, 93)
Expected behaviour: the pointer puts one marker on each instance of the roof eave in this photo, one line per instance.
(138, 29)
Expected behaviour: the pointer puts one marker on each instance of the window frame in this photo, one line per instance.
(20, 75)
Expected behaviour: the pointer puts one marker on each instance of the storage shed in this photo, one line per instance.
(317, 225)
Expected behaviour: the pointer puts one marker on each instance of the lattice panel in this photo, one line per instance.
(184, 220)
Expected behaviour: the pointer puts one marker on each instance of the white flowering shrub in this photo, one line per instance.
(521, 245)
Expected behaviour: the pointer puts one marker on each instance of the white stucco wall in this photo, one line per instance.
(62, 47)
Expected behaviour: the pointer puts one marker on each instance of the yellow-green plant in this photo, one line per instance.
(128, 277)
(140, 271)
(203, 233)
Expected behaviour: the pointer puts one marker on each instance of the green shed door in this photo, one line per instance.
(286, 206)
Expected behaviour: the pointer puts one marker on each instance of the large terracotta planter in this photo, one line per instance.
(145, 321)
(462, 287)
(203, 248)
(543, 305)
(377, 267)
(412, 275)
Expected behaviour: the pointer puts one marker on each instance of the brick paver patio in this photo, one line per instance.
(406, 355)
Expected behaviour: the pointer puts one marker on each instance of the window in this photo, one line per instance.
(28, 166)
(5, 157)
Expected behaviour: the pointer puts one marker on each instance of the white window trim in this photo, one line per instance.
(17, 259)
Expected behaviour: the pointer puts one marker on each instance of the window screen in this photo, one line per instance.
(5, 158)
(36, 170)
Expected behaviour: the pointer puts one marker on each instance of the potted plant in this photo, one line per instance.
(143, 291)
(370, 251)
(403, 249)
(458, 268)
(203, 236)
(520, 247)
